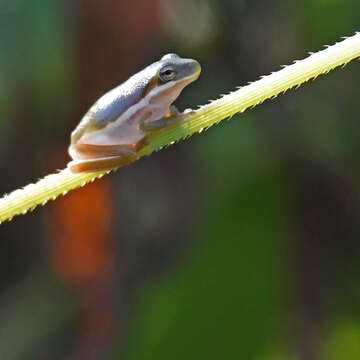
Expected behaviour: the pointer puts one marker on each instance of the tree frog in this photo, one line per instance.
(116, 127)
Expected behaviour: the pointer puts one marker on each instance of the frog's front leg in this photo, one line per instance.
(173, 111)
(171, 117)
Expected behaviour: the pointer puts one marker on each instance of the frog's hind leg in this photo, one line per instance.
(107, 163)
(102, 159)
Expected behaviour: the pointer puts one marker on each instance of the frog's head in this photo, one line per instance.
(174, 68)
(168, 77)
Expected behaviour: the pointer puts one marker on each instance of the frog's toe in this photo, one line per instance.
(188, 111)
(173, 111)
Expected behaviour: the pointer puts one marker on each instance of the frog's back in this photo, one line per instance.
(113, 104)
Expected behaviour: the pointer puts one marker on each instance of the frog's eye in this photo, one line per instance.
(167, 73)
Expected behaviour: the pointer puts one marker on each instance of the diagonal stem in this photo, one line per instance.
(49, 188)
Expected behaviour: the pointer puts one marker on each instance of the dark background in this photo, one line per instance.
(241, 243)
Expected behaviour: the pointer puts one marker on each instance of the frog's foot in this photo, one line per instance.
(173, 116)
(159, 124)
(188, 111)
(173, 111)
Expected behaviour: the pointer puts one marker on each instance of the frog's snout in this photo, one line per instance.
(193, 69)
(196, 68)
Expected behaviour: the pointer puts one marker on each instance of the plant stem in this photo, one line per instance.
(23, 200)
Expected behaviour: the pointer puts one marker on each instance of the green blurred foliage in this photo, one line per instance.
(343, 342)
(232, 295)
(220, 302)
(36, 45)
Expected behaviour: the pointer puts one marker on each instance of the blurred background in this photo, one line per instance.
(241, 243)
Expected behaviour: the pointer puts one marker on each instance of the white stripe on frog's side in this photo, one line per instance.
(145, 103)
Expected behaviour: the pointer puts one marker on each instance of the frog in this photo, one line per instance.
(119, 123)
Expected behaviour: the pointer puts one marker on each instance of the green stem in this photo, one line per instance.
(22, 200)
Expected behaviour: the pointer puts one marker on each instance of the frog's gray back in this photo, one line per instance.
(115, 102)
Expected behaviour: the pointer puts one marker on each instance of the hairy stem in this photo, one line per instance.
(22, 200)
